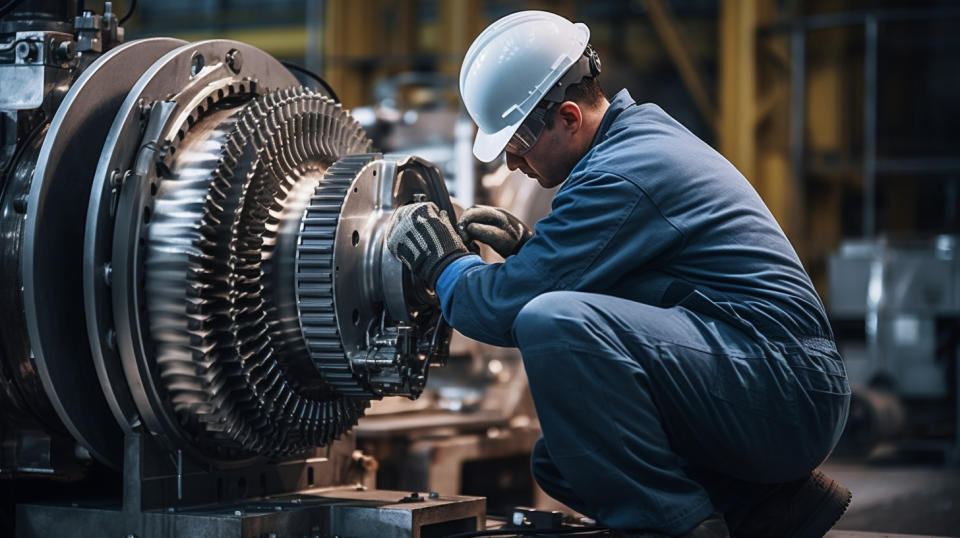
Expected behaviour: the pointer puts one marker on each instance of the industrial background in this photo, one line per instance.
(843, 115)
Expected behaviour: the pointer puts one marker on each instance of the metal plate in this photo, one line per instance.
(381, 187)
(53, 239)
(174, 77)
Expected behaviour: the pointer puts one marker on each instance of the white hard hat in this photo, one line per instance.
(510, 67)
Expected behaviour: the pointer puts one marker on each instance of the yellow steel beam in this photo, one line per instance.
(737, 138)
(666, 28)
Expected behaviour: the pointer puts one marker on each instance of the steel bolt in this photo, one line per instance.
(20, 204)
(66, 51)
(234, 60)
(27, 51)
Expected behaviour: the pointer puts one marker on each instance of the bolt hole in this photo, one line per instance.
(355, 238)
(355, 189)
(310, 476)
(146, 215)
(196, 64)
(153, 189)
(374, 172)
(356, 317)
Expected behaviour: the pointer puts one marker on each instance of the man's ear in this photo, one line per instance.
(570, 116)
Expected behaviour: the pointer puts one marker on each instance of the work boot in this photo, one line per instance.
(807, 508)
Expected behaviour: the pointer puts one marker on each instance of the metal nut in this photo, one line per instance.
(27, 51)
(66, 51)
(235, 60)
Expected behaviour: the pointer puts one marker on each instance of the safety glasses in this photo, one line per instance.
(530, 130)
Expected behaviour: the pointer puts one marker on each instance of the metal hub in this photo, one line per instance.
(356, 300)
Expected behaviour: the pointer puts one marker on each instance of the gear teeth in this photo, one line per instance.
(315, 278)
(220, 349)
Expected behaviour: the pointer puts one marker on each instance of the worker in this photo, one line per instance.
(683, 369)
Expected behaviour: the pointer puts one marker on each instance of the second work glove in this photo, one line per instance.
(423, 238)
(495, 227)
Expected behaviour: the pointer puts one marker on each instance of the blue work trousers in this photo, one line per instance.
(654, 418)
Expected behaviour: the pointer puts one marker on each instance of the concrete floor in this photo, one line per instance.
(904, 498)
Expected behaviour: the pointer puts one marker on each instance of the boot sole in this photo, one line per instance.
(834, 503)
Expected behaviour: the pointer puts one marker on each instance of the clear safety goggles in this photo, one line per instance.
(530, 130)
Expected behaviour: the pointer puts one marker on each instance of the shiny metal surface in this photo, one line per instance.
(22, 396)
(119, 195)
(179, 257)
(389, 329)
(212, 223)
(53, 239)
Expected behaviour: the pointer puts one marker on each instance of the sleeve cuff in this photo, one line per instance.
(448, 279)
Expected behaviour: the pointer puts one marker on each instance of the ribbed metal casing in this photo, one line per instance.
(221, 349)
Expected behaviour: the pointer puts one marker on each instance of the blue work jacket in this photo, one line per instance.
(652, 214)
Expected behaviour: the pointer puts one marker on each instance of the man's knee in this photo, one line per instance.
(541, 465)
(549, 317)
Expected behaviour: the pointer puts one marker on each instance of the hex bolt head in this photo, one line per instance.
(66, 51)
(234, 60)
(27, 51)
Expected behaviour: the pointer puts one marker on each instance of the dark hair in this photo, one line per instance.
(587, 92)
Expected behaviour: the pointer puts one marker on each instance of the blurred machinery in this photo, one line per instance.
(420, 113)
(896, 304)
(195, 289)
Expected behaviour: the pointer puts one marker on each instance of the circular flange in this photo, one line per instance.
(53, 239)
(371, 330)
(175, 84)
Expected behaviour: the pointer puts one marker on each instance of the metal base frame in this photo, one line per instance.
(337, 512)
(167, 494)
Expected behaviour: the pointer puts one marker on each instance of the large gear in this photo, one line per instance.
(187, 297)
(215, 342)
(315, 275)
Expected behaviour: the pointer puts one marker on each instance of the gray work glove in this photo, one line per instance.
(495, 227)
(424, 239)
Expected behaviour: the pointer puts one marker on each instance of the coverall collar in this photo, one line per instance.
(620, 102)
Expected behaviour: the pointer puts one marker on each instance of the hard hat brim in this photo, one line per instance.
(489, 146)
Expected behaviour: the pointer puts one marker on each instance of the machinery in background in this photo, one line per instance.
(896, 308)
(196, 291)
(420, 113)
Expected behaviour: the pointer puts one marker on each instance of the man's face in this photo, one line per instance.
(550, 160)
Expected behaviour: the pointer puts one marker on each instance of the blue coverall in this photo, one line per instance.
(677, 352)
